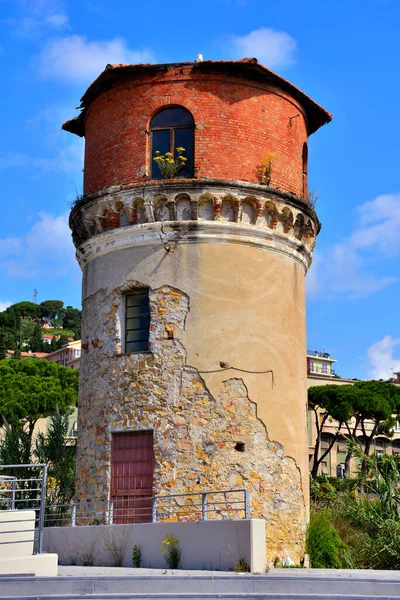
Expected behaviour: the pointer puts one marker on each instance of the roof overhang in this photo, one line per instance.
(248, 68)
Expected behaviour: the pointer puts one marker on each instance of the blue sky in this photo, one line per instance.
(343, 53)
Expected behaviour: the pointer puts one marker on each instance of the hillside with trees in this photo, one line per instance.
(21, 326)
(32, 389)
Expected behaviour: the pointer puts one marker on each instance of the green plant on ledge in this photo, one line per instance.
(312, 198)
(171, 551)
(242, 566)
(136, 556)
(264, 169)
(168, 165)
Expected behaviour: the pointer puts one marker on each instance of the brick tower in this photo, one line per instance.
(193, 333)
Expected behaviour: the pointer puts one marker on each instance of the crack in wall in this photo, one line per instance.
(195, 433)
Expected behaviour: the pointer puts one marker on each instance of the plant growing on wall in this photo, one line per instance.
(264, 169)
(168, 165)
(312, 198)
(136, 556)
(171, 551)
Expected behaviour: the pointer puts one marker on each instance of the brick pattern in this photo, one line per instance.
(237, 123)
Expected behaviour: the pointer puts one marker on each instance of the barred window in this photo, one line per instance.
(137, 321)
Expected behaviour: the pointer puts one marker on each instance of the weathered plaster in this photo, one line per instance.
(195, 429)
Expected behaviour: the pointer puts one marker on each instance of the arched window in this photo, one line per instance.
(305, 171)
(172, 128)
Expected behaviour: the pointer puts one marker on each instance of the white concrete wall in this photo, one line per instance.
(16, 533)
(216, 545)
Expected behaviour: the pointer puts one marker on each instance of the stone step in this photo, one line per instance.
(195, 596)
(193, 587)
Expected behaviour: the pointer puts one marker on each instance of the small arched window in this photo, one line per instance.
(305, 171)
(172, 128)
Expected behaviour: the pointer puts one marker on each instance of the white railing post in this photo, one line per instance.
(204, 506)
(154, 509)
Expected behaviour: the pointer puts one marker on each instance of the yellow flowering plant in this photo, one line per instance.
(264, 169)
(171, 551)
(168, 164)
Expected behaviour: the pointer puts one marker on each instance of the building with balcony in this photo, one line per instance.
(320, 364)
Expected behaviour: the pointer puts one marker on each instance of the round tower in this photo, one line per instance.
(193, 331)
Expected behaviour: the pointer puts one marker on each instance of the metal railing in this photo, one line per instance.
(23, 489)
(201, 506)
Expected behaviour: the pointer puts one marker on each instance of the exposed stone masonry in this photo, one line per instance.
(195, 434)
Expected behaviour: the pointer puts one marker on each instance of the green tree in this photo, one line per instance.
(53, 450)
(62, 341)
(32, 388)
(3, 346)
(367, 407)
(72, 320)
(26, 309)
(53, 344)
(376, 407)
(27, 329)
(15, 449)
(329, 402)
(36, 343)
(51, 308)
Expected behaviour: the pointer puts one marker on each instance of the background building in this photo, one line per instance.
(319, 372)
(320, 364)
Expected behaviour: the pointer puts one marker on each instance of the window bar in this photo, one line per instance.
(13, 492)
(42, 507)
(73, 516)
(247, 504)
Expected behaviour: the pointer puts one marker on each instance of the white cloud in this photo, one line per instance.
(74, 58)
(350, 268)
(4, 305)
(36, 17)
(46, 250)
(271, 47)
(380, 358)
(68, 159)
(56, 150)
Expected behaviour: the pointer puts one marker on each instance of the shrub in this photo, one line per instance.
(171, 551)
(324, 546)
(136, 556)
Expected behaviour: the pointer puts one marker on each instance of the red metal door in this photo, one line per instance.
(132, 465)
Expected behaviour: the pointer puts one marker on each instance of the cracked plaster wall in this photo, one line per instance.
(224, 302)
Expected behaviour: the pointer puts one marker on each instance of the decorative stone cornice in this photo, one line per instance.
(167, 235)
(186, 211)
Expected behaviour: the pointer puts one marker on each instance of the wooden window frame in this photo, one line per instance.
(142, 293)
(172, 130)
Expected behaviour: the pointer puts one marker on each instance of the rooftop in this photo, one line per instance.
(248, 68)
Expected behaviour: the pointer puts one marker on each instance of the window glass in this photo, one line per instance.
(137, 322)
(184, 139)
(170, 129)
(172, 117)
(161, 141)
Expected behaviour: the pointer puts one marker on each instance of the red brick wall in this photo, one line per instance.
(237, 122)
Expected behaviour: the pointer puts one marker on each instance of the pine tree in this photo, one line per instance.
(36, 342)
(3, 346)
